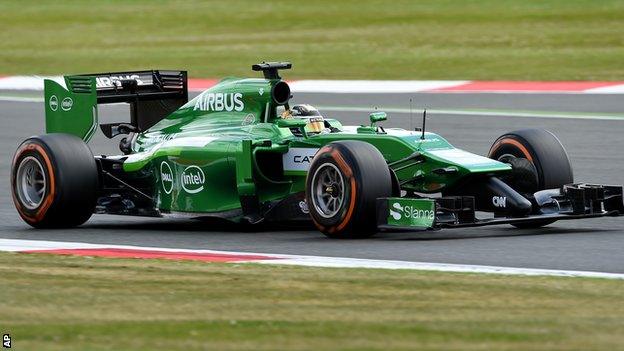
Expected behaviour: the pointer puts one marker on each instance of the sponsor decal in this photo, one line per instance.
(499, 201)
(220, 102)
(166, 177)
(164, 137)
(199, 141)
(249, 119)
(193, 179)
(303, 158)
(396, 211)
(67, 104)
(111, 81)
(303, 206)
(298, 158)
(420, 141)
(53, 103)
(411, 212)
(261, 91)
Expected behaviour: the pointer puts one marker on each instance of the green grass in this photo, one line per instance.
(401, 39)
(75, 303)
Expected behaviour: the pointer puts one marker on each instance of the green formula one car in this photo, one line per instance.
(239, 151)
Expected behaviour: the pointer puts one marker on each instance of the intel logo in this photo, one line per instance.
(193, 179)
(67, 104)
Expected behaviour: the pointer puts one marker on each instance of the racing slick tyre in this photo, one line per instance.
(538, 160)
(343, 183)
(54, 181)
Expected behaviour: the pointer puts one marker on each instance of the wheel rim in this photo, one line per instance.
(328, 191)
(502, 157)
(30, 183)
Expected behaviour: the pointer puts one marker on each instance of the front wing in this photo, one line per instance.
(572, 201)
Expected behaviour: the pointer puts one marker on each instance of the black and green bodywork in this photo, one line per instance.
(227, 153)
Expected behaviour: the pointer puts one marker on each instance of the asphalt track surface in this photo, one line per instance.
(594, 146)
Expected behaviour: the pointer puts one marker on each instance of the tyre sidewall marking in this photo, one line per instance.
(348, 173)
(37, 151)
(321, 160)
(334, 155)
(512, 142)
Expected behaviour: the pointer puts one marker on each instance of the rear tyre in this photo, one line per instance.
(54, 181)
(343, 183)
(544, 152)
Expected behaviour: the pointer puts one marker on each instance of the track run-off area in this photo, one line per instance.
(590, 126)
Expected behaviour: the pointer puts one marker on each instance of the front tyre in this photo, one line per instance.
(54, 181)
(343, 183)
(539, 161)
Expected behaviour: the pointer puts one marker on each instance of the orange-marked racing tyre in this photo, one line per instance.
(343, 183)
(54, 181)
(546, 158)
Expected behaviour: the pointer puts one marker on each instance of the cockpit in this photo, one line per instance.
(315, 121)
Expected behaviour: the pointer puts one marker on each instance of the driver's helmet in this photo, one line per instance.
(316, 122)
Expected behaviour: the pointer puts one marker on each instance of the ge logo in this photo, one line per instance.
(499, 201)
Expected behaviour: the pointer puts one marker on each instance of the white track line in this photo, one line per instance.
(490, 113)
(21, 99)
(494, 113)
(303, 86)
(371, 86)
(27, 82)
(613, 89)
(381, 86)
(15, 245)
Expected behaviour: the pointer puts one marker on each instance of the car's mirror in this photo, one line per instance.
(291, 123)
(377, 117)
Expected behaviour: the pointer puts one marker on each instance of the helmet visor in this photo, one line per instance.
(315, 124)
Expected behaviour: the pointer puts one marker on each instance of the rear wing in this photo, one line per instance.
(71, 102)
